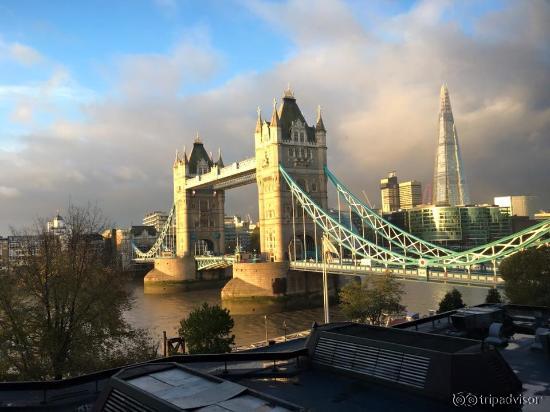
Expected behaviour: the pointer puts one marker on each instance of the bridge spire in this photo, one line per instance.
(289, 94)
(220, 161)
(274, 115)
(185, 161)
(320, 126)
(259, 120)
(177, 159)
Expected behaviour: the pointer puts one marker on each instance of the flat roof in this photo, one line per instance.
(322, 390)
(412, 338)
(185, 389)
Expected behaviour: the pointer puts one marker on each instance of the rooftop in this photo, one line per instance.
(415, 366)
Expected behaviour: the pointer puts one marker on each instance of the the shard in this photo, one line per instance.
(449, 187)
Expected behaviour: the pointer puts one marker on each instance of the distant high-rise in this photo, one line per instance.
(389, 191)
(410, 194)
(156, 219)
(449, 186)
(517, 205)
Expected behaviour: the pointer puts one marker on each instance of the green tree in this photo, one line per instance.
(61, 308)
(527, 276)
(493, 296)
(372, 301)
(451, 301)
(207, 329)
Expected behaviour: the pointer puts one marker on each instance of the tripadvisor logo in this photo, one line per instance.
(469, 399)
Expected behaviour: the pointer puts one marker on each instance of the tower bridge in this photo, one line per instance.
(290, 169)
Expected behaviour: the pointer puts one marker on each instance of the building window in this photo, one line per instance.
(202, 167)
(301, 136)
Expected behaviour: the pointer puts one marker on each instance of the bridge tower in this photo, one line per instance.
(200, 212)
(288, 140)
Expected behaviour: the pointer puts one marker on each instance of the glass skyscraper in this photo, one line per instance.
(449, 187)
(458, 227)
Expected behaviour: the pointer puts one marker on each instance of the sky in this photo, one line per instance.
(95, 97)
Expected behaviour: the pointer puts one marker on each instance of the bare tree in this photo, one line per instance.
(62, 304)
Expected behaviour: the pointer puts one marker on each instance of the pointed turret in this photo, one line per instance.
(289, 94)
(274, 115)
(177, 160)
(219, 162)
(185, 160)
(259, 121)
(319, 126)
(199, 160)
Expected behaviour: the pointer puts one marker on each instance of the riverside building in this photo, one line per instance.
(389, 191)
(455, 227)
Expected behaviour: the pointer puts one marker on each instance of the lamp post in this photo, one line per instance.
(265, 322)
(325, 288)
(328, 248)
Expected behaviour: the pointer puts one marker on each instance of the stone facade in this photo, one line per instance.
(270, 279)
(286, 140)
(199, 213)
(302, 150)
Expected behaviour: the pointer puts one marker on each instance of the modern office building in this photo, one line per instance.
(449, 187)
(157, 219)
(455, 227)
(517, 205)
(542, 215)
(389, 191)
(410, 194)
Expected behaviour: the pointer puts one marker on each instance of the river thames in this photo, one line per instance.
(163, 309)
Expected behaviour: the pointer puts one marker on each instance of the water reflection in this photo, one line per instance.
(159, 308)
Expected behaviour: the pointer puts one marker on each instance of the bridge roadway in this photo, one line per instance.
(348, 268)
(422, 274)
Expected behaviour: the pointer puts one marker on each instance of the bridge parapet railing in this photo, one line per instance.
(412, 273)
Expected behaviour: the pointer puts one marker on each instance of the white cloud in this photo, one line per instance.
(20, 53)
(24, 54)
(9, 192)
(380, 102)
(22, 113)
(192, 60)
